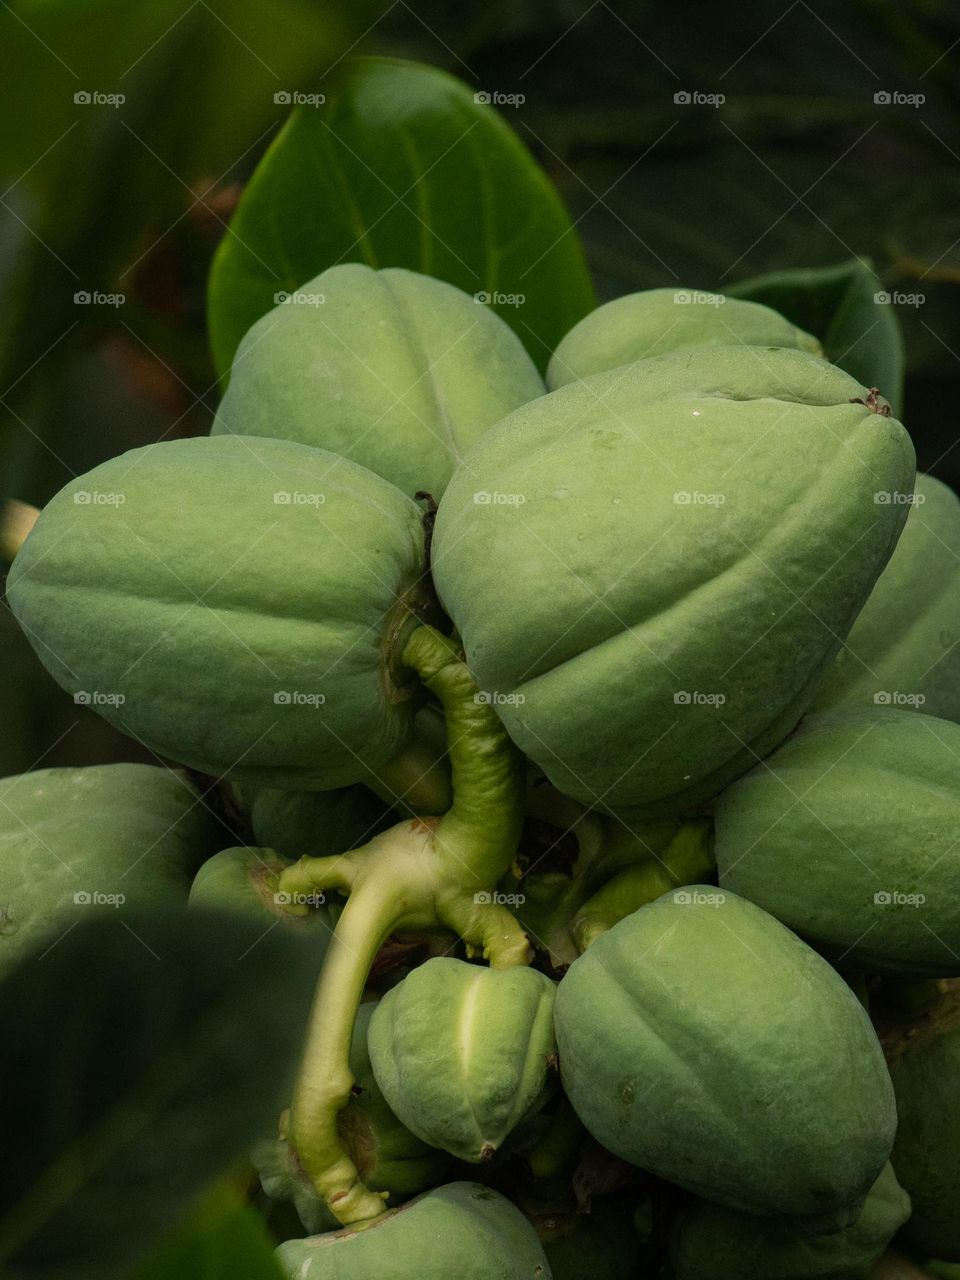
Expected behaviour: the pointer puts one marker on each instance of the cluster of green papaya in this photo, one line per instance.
(601, 733)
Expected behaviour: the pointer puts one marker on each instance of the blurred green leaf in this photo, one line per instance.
(401, 167)
(847, 308)
(225, 1239)
(139, 1059)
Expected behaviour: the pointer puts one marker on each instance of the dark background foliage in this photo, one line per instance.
(836, 137)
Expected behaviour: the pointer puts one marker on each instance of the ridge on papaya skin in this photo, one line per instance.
(436, 872)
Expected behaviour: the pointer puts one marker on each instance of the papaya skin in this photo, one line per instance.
(904, 648)
(607, 655)
(226, 624)
(464, 1053)
(712, 1243)
(757, 1042)
(656, 321)
(422, 874)
(923, 1053)
(103, 838)
(397, 371)
(850, 835)
(461, 1229)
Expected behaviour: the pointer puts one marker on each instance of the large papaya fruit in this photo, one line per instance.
(105, 838)
(652, 569)
(462, 1230)
(394, 370)
(389, 1157)
(712, 1243)
(923, 1054)
(238, 605)
(850, 834)
(904, 648)
(463, 1052)
(703, 1041)
(655, 321)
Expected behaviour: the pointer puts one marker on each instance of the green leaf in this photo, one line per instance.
(400, 167)
(139, 1058)
(225, 1239)
(845, 308)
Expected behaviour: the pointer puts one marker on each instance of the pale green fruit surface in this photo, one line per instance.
(651, 570)
(850, 835)
(704, 1042)
(397, 371)
(656, 321)
(236, 605)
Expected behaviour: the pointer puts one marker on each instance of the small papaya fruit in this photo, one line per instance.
(741, 495)
(709, 1242)
(395, 370)
(248, 880)
(463, 1052)
(599, 1245)
(388, 1156)
(923, 1055)
(850, 835)
(238, 605)
(704, 1042)
(904, 648)
(462, 1229)
(105, 838)
(655, 321)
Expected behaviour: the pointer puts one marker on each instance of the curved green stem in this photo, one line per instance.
(424, 873)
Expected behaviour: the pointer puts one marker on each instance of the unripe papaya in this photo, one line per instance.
(237, 605)
(904, 648)
(655, 321)
(387, 1155)
(463, 1053)
(712, 1243)
(703, 1041)
(394, 370)
(316, 823)
(462, 1230)
(923, 1055)
(106, 838)
(599, 1245)
(850, 835)
(247, 880)
(642, 642)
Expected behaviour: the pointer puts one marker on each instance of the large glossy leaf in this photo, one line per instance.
(138, 1060)
(225, 1239)
(849, 311)
(401, 167)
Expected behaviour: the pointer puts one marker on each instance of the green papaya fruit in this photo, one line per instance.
(655, 321)
(247, 880)
(904, 648)
(923, 1054)
(106, 838)
(224, 623)
(463, 1052)
(712, 1243)
(388, 1156)
(461, 1230)
(396, 371)
(850, 835)
(641, 645)
(318, 823)
(703, 1041)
